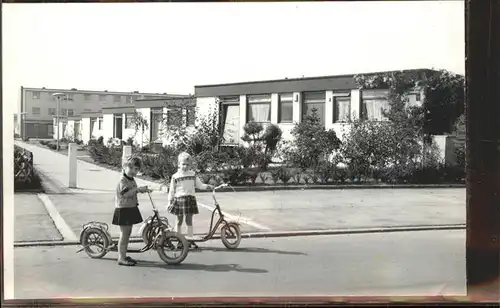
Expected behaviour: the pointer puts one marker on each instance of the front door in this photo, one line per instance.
(118, 129)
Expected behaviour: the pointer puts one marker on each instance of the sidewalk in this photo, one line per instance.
(90, 177)
(32, 222)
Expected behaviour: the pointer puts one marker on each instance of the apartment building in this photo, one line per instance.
(38, 108)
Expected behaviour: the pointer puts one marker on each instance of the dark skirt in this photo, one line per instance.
(127, 216)
(185, 205)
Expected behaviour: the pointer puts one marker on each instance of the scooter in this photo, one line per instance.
(230, 231)
(158, 235)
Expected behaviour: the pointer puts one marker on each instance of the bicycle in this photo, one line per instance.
(159, 236)
(229, 230)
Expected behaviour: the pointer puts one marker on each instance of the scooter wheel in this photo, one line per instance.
(95, 243)
(230, 235)
(172, 248)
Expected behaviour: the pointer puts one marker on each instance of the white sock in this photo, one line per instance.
(190, 231)
(179, 229)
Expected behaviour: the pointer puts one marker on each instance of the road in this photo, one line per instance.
(383, 264)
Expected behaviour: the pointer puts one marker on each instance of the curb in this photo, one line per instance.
(340, 187)
(278, 234)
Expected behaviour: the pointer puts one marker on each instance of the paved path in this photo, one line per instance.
(90, 177)
(289, 211)
(408, 263)
(32, 222)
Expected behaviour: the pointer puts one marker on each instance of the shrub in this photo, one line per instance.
(340, 175)
(297, 176)
(263, 178)
(234, 176)
(314, 177)
(130, 141)
(252, 176)
(161, 165)
(284, 175)
(306, 179)
(325, 171)
(312, 142)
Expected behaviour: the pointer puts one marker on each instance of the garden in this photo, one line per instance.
(397, 151)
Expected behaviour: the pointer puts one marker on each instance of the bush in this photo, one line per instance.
(263, 178)
(296, 176)
(326, 171)
(160, 165)
(284, 175)
(235, 176)
(312, 143)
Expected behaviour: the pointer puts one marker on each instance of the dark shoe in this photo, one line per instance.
(129, 259)
(126, 263)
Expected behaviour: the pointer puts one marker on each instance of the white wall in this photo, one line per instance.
(85, 130)
(107, 127)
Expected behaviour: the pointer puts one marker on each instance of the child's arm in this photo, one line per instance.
(200, 185)
(171, 191)
(125, 190)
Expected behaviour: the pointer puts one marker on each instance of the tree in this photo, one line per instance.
(140, 124)
(311, 143)
(443, 99)
(262, 143)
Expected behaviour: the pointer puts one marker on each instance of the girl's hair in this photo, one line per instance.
(183, 157)
(133, 162)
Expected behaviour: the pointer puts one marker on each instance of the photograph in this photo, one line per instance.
(234, 150)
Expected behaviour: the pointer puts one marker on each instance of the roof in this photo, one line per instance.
(320, 83)
(103, 92)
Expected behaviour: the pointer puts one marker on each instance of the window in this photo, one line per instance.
(314, 101)
(285, 111)
(52, 111)
(190, 116)
(130, 99)
(64, 112)
(341, 108)
(71, 112)
(417, 97)
(69, 96)
(259, 108)
(230, 119)
(87, 97)
(102, 98)
(174, 116)
(374, 104)
(129, 120)
(35, 110)
(35, 95)
(117, 98)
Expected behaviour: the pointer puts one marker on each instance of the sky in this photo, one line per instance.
(171, 47)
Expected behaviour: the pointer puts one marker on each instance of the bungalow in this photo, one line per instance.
(337, 99)
(119, 121)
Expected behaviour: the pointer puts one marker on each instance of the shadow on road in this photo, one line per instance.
(251, 250)
(198, 267)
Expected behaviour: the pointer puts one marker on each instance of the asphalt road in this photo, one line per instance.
(408, 263)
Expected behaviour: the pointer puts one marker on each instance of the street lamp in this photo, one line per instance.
(58, 97)
(23, 120)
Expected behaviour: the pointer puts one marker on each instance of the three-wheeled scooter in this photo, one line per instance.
(171, 246)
